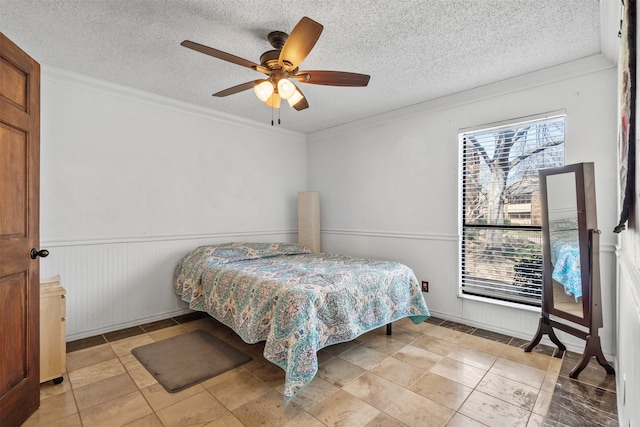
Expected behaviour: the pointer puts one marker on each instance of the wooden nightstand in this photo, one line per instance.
(53, 357)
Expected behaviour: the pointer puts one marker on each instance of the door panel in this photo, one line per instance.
(13, 84)
(13, 181)
(19, 232)
(13, 293)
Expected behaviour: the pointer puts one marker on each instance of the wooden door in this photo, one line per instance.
(19, 233)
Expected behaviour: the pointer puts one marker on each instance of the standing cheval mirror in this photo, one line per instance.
(571, 299)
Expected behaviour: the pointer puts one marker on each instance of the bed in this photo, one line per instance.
(565, 256)
(295, 300)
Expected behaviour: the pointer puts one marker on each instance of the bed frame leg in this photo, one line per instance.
(388, 328)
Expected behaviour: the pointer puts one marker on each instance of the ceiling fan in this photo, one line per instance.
(281, 67)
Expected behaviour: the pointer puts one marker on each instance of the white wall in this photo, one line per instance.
(131, 181)
(628, 368)
(389, 184)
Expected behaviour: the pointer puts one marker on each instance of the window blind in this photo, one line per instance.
(500, 236)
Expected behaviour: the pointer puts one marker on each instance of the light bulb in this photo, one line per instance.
(263, 90)
(285, 88)
(273, 101)
(295, 98)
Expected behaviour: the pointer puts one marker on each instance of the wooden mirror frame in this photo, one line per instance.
(589, 246)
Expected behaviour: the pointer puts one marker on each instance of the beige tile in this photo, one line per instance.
(423, 359)
(442, 390)
(384, 420)
(473, 357)
(460, 420)
(543, 401)
(518, 372)
(379, 331)
(399, 372)
(94, 373)
(551, 377)
(270, 410)
(535, 420)
(435, 345)
(68, 421)
(415, 410)
(196, 410)
(150, 420)
(227, 420)
(459, 372)
(89, 356)
(374, 390)
(510, 391)
(554, 366)
(54, 408)
(142, 377)
(405, 335)
(105, 390)
(493, 412)
(117, 412)
(130, 362)
(171, 331)
(160, 398)
(363, 356)
(316, 391)
(235, 388)
(407, 323)
(484, 345)
(324, 356)
(384, 344)
(340, 348)
(124, 346)
(50, 389)
(535, 360)
(270, 373)
(447, 334)
(339, 372)
(343, 409)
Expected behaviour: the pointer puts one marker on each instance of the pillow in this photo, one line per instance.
(239, 251)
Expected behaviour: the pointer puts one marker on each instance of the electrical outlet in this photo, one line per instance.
(425, 286)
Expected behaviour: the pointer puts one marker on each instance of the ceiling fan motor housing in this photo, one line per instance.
(277, 39)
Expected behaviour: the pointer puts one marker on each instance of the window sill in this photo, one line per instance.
(508, 304)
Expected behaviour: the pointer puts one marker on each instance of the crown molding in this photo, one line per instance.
(93, 84)
(580, 67)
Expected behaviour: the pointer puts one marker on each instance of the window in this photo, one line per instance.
(500, 236)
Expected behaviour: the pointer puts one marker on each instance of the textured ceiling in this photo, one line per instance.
(414, 50)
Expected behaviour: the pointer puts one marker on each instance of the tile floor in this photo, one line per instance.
(437, 373)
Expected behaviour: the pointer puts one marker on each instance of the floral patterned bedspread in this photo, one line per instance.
(295, 300)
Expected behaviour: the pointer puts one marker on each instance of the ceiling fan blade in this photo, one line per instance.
(299, 43)
(223, 55)
(236, 89)
(332, 78)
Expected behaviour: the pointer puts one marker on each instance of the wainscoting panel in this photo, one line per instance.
(628, 368)
(114, 285)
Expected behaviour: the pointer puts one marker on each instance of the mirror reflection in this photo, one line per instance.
(564, 243)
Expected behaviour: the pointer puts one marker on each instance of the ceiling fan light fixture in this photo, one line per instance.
(264, 90)
(295, 98)
(286, 89)
(274, 100)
